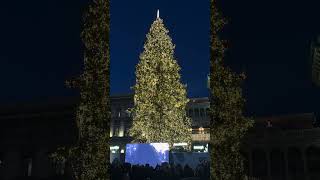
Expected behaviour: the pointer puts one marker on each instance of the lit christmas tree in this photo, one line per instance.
(159, 113)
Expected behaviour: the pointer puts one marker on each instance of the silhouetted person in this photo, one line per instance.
(187, 171)
(126, 176)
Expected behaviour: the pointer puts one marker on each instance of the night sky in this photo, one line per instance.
(189, 27)
(40, 48)
(270, 40)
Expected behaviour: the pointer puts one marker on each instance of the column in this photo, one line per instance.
(41, 166)
(305, 163)
(287, 174)
(268, 163)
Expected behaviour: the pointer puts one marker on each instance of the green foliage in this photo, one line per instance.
(159, 113)
(228, 125)
(90, 155)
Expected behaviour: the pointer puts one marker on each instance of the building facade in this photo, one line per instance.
(29, 133)
(283, 148)
(280, 147)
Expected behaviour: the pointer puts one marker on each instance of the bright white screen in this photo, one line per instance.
(152, 154)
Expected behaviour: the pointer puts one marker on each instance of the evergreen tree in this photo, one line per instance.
(228, 125)
(159, 113)
(90, 155)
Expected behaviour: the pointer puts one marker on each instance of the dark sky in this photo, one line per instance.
(270, 40)
(40, 47)
(189, 27)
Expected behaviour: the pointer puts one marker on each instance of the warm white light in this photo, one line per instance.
(206, 148)
(114, 147)
(198, 147)
(180, 144)
(121, 133)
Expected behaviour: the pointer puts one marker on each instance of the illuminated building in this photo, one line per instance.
(121, 121)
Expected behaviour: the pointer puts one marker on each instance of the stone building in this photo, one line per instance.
(280, 147)
(284, 148)
(28, 133)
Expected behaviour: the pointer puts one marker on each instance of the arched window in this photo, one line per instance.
(259, 163)
(313, 160)
(295, 163)
(277, 164)
(196, 112)
(202, 112)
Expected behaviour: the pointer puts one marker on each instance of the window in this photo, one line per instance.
(113, 113)
(208, 112)
(202, 112)
(196, 112)
(116, 131)
(119, 112)
(123, 113)
(27, 166)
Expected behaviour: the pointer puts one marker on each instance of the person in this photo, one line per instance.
(188, 172)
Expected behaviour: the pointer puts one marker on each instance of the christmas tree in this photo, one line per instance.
(89, 157)
(228, 125)
(159, 113)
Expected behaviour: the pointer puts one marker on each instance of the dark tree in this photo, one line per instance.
(228, 125)
(89, 157)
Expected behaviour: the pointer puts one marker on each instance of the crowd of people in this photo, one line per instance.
(165, 171)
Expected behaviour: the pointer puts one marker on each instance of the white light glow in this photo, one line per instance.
(198, 147)
(180, 144)
(121, 133)
(122, 151)
(114, 147)
(160, 147)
